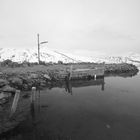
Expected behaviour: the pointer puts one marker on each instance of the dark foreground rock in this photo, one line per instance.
(3, 82)
(8, 89)
(6, 122)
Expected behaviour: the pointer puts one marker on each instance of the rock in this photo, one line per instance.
(16, 82)
(5, 95)
(33, 75)
(3, 82)
(120, 68)
(42, 83)
(1, 73)
(2, 95)
(25, 86)
(3, 101)
(46, 76)
(7, 88)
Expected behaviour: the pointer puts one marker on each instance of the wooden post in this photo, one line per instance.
(95, 77)
(15, 101)
(38, 48)
(33, 94)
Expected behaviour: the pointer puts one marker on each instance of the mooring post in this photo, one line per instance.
(33, 94)
(95, 77)
(15, 101)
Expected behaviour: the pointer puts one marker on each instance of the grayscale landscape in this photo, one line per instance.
(69, 70)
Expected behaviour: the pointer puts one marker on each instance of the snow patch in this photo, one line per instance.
(48, 55)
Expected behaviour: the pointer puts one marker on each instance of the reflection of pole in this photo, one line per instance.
(70, 72)
(33, 112)
(68, 85)
(38, 49)
(103, 86)
(38, 100)
(33, 96)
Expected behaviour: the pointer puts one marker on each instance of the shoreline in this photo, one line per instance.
(24, 78)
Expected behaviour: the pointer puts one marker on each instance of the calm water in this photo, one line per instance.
(106, 109)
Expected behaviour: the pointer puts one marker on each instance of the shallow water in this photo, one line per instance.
(105, 109)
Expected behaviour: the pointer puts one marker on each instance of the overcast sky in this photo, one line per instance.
(105, 26)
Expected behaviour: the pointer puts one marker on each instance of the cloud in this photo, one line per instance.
(70, 25)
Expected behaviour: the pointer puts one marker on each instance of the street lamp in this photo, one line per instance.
(39, 43)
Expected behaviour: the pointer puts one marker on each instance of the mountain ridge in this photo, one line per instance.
(47, 55)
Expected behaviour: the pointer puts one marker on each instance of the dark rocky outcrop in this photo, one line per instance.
(3, 82)
(16, 82)
(8, 89)
(120, 68)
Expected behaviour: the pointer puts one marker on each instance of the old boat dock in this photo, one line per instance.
(81, 73)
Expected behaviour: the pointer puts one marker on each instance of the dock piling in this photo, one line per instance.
(95, 77)
(33, 94)
(15, 102)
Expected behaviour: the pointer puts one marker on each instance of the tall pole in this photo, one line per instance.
(38, 44)
(38, 49)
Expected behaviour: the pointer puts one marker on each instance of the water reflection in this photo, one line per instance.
(33, 111)
(68, 86)
(113, 115)
(35, 106)
(83, 83)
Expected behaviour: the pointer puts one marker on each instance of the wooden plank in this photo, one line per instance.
(15, 102)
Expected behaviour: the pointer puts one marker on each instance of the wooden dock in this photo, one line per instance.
(78, 73)
(82, 73)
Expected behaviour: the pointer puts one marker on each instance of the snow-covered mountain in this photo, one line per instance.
(129, 58)
(47, 55)
(30, 55)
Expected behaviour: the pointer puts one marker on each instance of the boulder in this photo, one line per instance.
(47, 77)
(1, 73)
(8, 88)
(16, 82)
(3, 82)
(42, 83)
(33, 75)
(2, 95)
(5, 95)
(25, 87)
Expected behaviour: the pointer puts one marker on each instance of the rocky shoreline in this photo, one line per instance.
(120, 68)
(24, 79)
